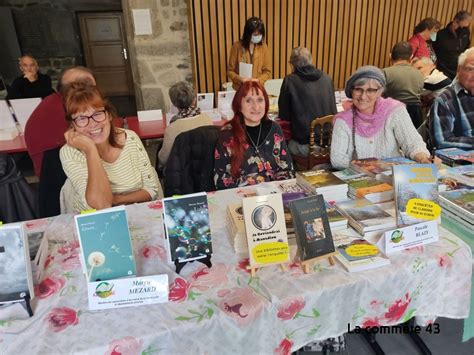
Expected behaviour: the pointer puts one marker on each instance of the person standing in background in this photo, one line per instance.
(31, 83)
(306, 93)
(451, 42)
(251, 49)
(425, 31)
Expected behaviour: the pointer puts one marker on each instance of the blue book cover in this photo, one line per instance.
(415, 181)
(105, 243)
(187, 228)
(16, 281)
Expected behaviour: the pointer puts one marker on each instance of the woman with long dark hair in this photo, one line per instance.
(251, 49)
(252, 148)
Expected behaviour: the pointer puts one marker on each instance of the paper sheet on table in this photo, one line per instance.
(6, 119)
(224, 100)
(142, 22)
(150, 115)
(245, 70)
(24, 108)
(205, 101)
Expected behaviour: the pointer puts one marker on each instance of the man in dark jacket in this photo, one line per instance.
(305, 94)
(31, 83)
(451, 42)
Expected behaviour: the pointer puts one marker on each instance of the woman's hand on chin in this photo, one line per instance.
(79, 141)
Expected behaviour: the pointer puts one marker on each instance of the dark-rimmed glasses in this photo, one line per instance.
(83, 121)
(370, 92)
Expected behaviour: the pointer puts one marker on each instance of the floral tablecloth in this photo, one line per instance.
(223, 310)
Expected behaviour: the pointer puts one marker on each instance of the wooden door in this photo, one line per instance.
(106, 52)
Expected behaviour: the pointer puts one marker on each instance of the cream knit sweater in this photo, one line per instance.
(398, 138)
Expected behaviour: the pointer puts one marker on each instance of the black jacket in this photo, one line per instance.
(190, 166)
(18, 199)
(22, 88)
(306, 94)
(448, 46)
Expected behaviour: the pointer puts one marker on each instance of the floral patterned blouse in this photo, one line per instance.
(269, 161)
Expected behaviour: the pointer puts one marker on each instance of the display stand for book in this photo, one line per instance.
(26, 305)
(179, 265)
(253, 269)
(306, 265)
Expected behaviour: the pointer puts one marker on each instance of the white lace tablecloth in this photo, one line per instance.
(223, 310)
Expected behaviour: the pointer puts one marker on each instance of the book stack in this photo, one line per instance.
(380, 169)
(364, 216)
(452, 156)
(458, 208)
(336, 220)
(355, 253)
(325, 183)
(373, 190)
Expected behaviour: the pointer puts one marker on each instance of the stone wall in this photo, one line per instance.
(163, 58)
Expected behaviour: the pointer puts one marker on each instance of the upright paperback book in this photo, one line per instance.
(16, 281)
(313, 233)
(105, 244)
(187, 228)
(266, 231)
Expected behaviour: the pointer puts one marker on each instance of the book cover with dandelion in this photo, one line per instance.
(105, 244)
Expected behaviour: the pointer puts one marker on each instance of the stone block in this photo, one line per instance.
(43, 62)
(165, 2)
(169, 78)
(56, 63)
(68, 62)
(146, 76)
(153, 98)
(178, 26)
(183, 66)
(157, 67)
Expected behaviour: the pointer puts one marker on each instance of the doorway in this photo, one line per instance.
(106, 54)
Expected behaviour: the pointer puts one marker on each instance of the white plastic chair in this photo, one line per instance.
(273, 86)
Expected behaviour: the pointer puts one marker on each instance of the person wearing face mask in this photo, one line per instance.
(451, 42)
(251, 49)
(424, 33)
(251, 149)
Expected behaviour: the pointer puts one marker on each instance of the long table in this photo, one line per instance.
(223, 310)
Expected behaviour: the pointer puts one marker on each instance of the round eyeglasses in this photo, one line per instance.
(370, 92)
(83, 121)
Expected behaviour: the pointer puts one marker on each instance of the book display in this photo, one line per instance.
(455, 156)
(16, 281)
(364, 216)
(458, 207)
(106, 248)
(357, 254)
(187, 229)
(266, 231)
(323, 182)
(372, 189)
(312, 230)
(416, 193)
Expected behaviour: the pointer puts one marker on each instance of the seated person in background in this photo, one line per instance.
(105, 166)
(404, 83)
(183, 96)
(250, 49)
(435, 81)
(424, 32)
(31, 83)
(252, 149)
(46, 126)
(452, 114)
(305, 94)
(375, 126)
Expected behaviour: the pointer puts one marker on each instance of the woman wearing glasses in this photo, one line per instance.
(251, 49)
(105, 166)
(374, 126)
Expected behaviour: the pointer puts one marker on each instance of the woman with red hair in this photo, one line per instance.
(252, 148)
